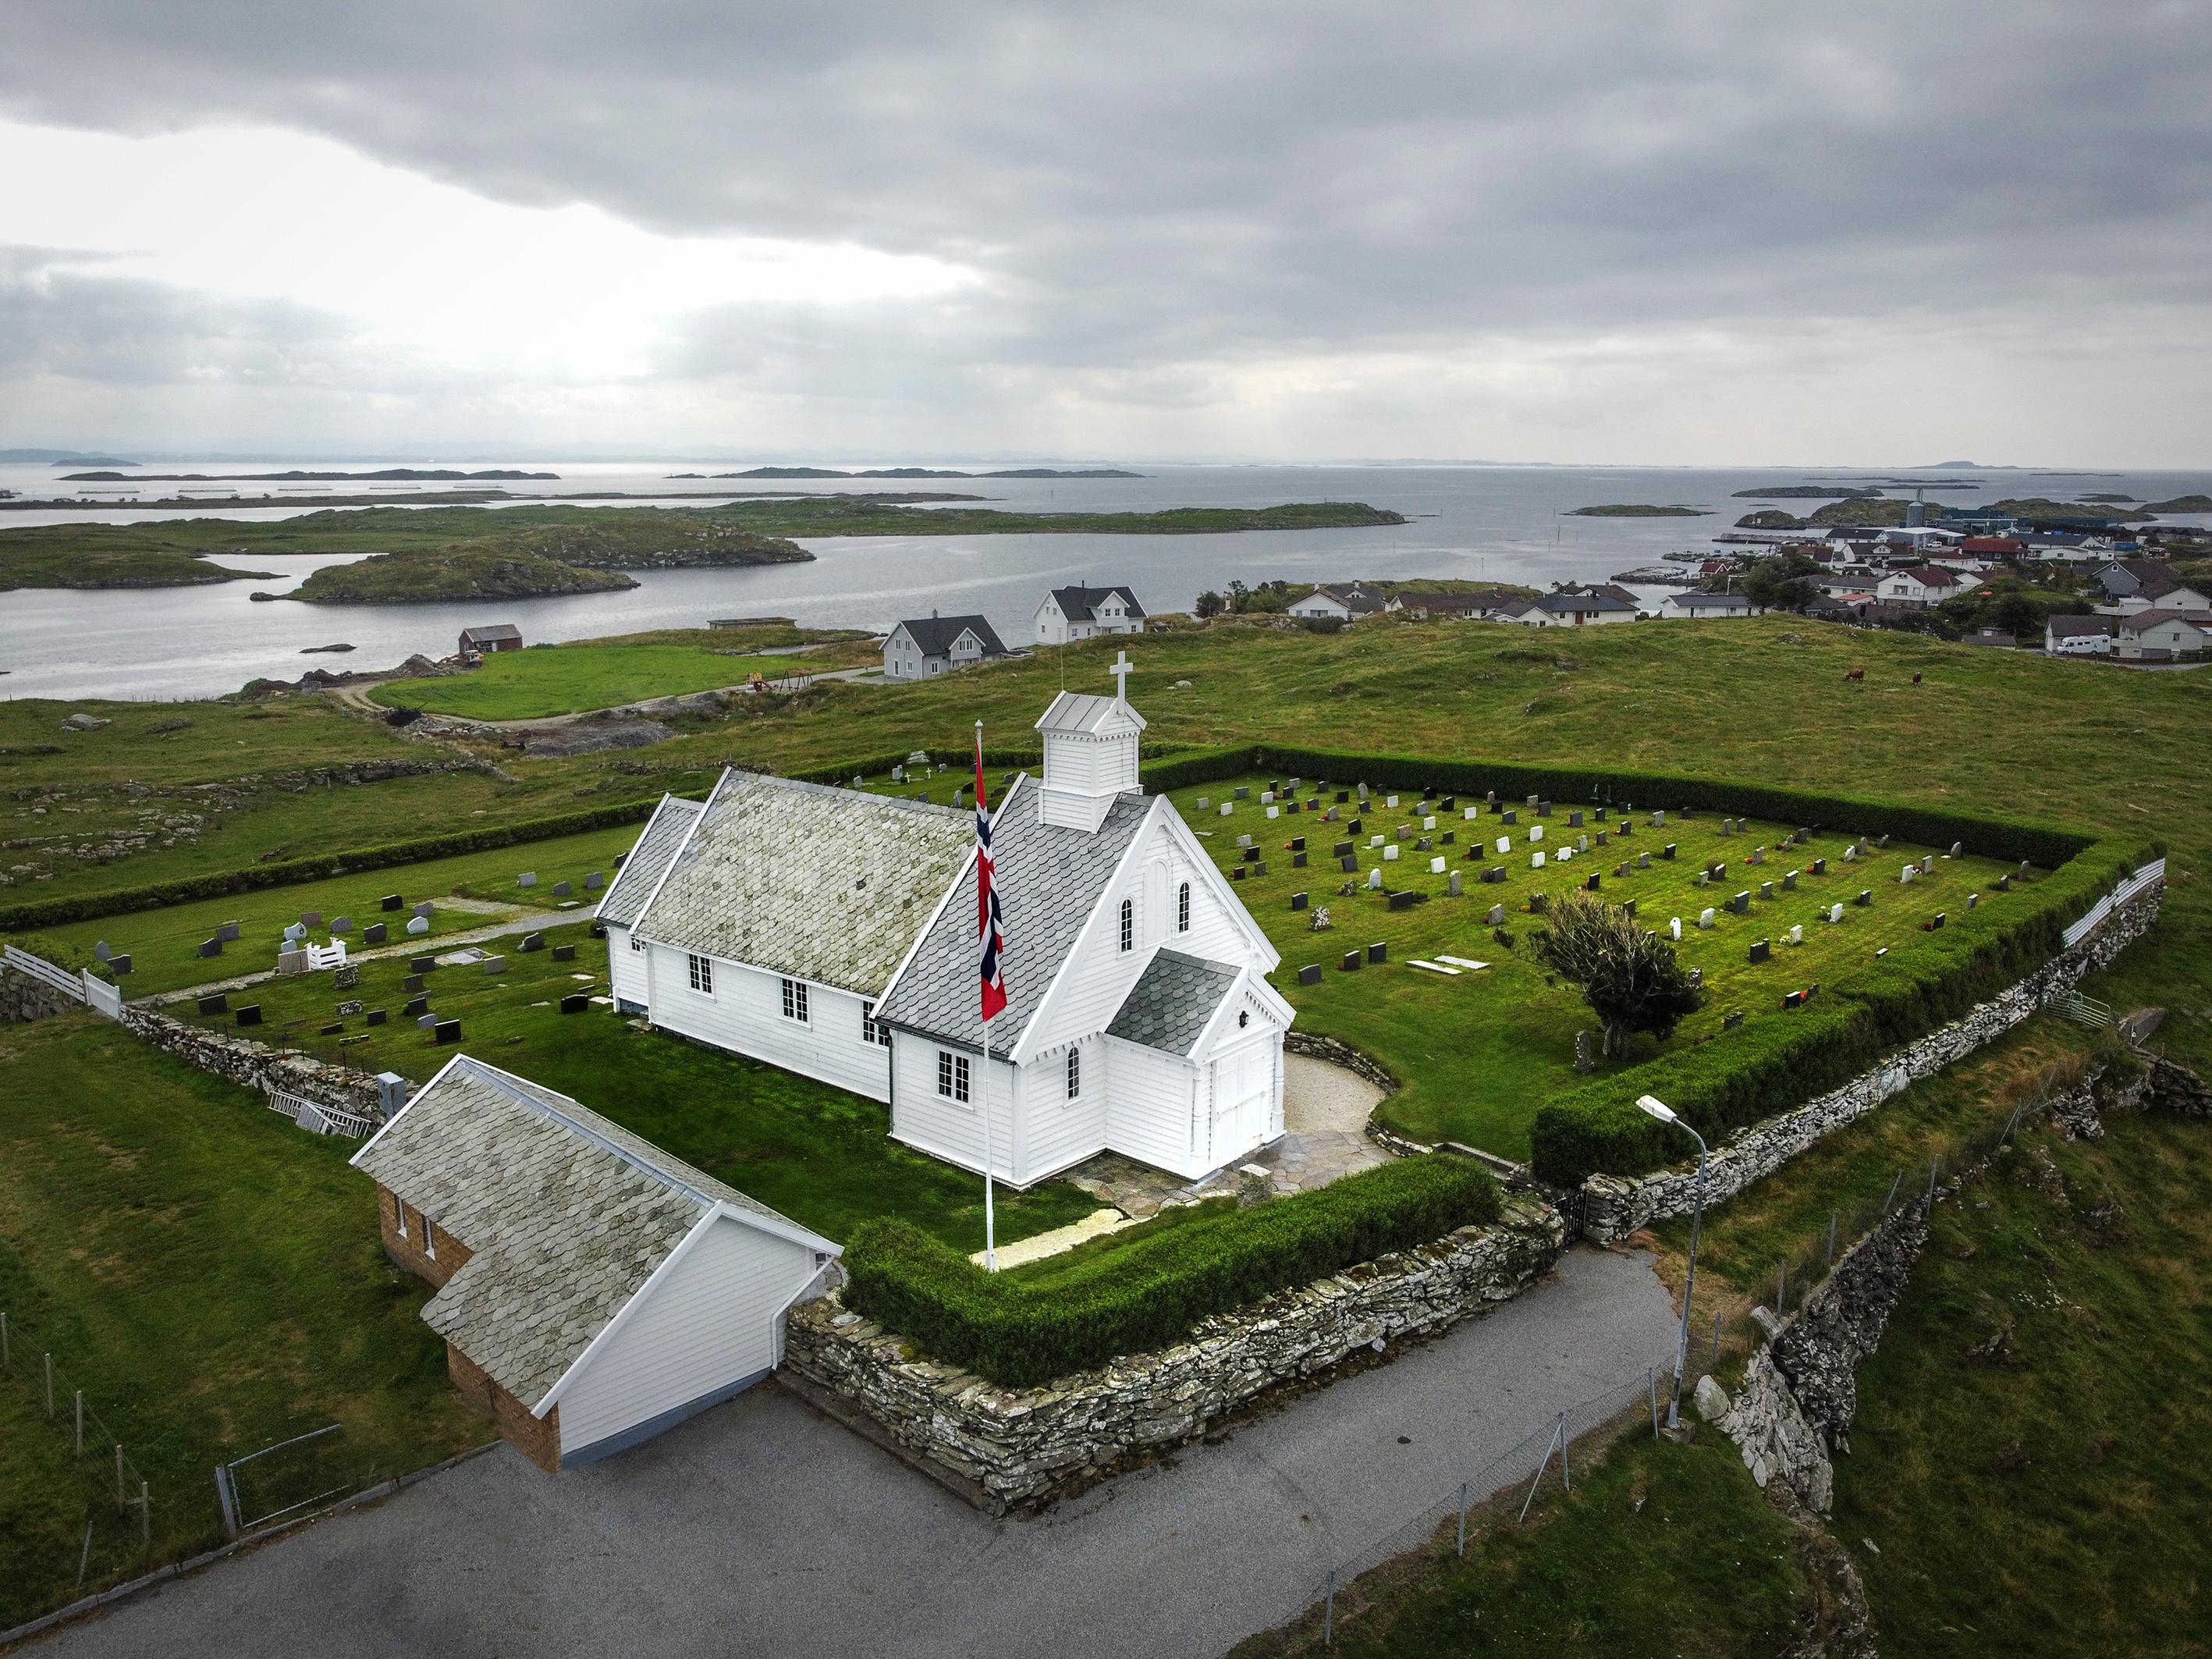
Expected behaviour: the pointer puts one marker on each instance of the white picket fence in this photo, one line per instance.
(81, 987)
(2093, 917)
(314, 1117)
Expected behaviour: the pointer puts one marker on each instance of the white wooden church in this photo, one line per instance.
(833, 933)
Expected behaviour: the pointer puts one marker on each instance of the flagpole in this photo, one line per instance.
(983, 1086)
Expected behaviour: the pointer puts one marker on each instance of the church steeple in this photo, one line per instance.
(1090, 753)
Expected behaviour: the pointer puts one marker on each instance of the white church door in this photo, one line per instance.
(1243, 1090)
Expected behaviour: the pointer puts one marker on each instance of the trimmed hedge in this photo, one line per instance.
(1029, 1326)
(287, 873)
(1775, 1065)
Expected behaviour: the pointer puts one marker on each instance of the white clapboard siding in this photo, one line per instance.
(705, 1324)
(744, 1014)
(1056, 1131)
(923, 1119)
(626, 969)
(1153, 1101)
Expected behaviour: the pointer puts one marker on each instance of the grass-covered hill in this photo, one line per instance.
(460, 573)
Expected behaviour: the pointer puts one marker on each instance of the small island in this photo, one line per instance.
(390, 475)
(923, 472)
(1806, 492)
(463, 573)
(2199, 503)
(1638, 510)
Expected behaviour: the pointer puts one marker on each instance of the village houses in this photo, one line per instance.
(924, 647)
(1069, 614)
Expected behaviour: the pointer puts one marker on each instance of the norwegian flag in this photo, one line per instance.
(988, 939)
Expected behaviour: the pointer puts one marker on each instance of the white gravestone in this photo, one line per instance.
(1706, 917)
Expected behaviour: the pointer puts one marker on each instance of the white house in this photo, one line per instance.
(924, 646)
(1082, 613)
(2079, 636)
(1706, 607)
(1340, 602)
(2158, 594)
(1921, 585)
(1570, 610)
(2162, 635)
(833, 933)
(593, 1290)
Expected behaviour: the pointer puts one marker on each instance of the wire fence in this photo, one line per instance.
(1503, 1490)
(119, 1502)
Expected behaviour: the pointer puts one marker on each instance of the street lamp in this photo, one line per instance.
(1653, 1106)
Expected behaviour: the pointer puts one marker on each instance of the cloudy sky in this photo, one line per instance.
(1689, 233)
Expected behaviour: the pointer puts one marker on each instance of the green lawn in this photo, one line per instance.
(2050, 1494)
(210, 1276)
(1659, 1549)
(515, 686)
(821, 1156)
(1479, 1051)
(164, 943)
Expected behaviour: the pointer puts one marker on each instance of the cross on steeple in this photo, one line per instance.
(1120, 672)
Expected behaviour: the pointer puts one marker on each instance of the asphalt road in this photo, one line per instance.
(760, 1528)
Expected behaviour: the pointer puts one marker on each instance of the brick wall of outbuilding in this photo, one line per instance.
(413, 1252)
(537, 1438)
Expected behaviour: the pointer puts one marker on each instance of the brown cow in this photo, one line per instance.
(1915, 679)
(1855, 674)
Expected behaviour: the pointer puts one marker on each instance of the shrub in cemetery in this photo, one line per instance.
(1027, 1326)
(1629, 977)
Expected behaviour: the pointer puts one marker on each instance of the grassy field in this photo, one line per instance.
(2033, 1457)
(563, 679)
(821, 1156)
(1659, 1549)
(210, 1276)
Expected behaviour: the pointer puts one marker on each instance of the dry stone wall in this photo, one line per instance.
(1024, 1446)
(23, 998)
(1613, 1207)
(256, 1065)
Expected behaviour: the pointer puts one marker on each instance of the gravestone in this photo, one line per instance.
(1643, 860)
(1625, 828)
(375, 933)
(1789, 882)
(1658, 820)
(376, 1016)
(1536, 860)
(1728, 826)
(2004, 884)
(1590, 886)
(1404, 900)
(1509, 816)
(1310, 974)
(421, 964)
(218, 1004)
(1628, 909)
(561, 890)
(1582, 843)
(1505, 843)
(1452, 886)
(1297, 860)
(1496, 874)
(1668, 851)
(1543, 809)
(415, 1006)
(598, 930)
(527, 879)
(1674, 927)
(533, 942)
(1574, 820)
(349, 1007)
(1908, 872)
(1243, 842)
(1236, 872)
(493, 964)
(1731, 1022)
(1378, 952)
(445, 1031)
(100, 952)
(1436, 866)
(1927, 865)
(341, 925)
(1820, 866)
(2022, 871)
(419, 926)
(119, 964)
(1535, 832)
(1972, 899)
(1351, 963)
(1700, 879)
(425, 1022)
(227, 933)
(424, 909)
(1696, 978)
(210, 947)
(1866, 898)
(1343, 796)
(1585, 1051)
(1348, 864)
(1497, 916)
(1599, 815)
(1937, 923)
(575, 1002)
(1766, 889)
(1390, 800)
(412, 982)
(1342, 849)
(311, 919)
(1258, 866)
(392, 902)
(249, 1015)
(1274, 811)
(1297, 844)
(346, 977)
(1957, 847)
(1243, 792)
(1757, 855)
(1267, 797)
(594, 881)
(1835, 912)
(1356, 827)
(1448, 838)
(1706, 917)
(332, 1029)
(1798, 932)
(1226, 808)
(1298, 901)
(1793, 1000)
(1741, 903)
(1374, 880)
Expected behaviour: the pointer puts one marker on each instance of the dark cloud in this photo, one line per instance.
(1157, 192)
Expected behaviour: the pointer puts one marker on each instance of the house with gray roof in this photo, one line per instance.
(1083, 613)
(591, 1290)
(833, 933)
(923, 647)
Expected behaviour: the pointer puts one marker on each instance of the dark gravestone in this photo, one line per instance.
(1731, 1022)
(1789, 882)
(341, 924)
(1342, 796)
(1298, 901)
(1357, 826)
(332, 1029)
(1426, 844)
(1244, 793)
(1510, 817)
(1342, 849)
(1626, 827)
(594, 881)
(1820, 866)
(392, 902)
(2004, 884)
(1378, 952)
(1251, 855)
(1543, 809)
(421, 964)
(1260, 868)
(1297, 844)
(218, 1004)
(1599, 815)
(561, 890)
(311, 918)
(412, 982)
(210, 947)
(119, 964)
(1351, 963)
(425, 907)
(1404, 900)
(1590, 886)
(374, 934)
(249, 1015)
(1349, 865)
(1740, 903)
(1761, 951)
(227, 933)
(1628, 909)
(1449, 838)
(1865, 896)
(1297, 860)
(1236, 872)
(1668, 851)
(445, 1031)
(1448, 804)
(416, 1007)
(1795, 999)
(376, 1016)
(533, 942)
(1766, 889)
(1574, 820)
(564, 953)
(1495, 873)
(1310, 974)
(1938, 922)
(575, 1002)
